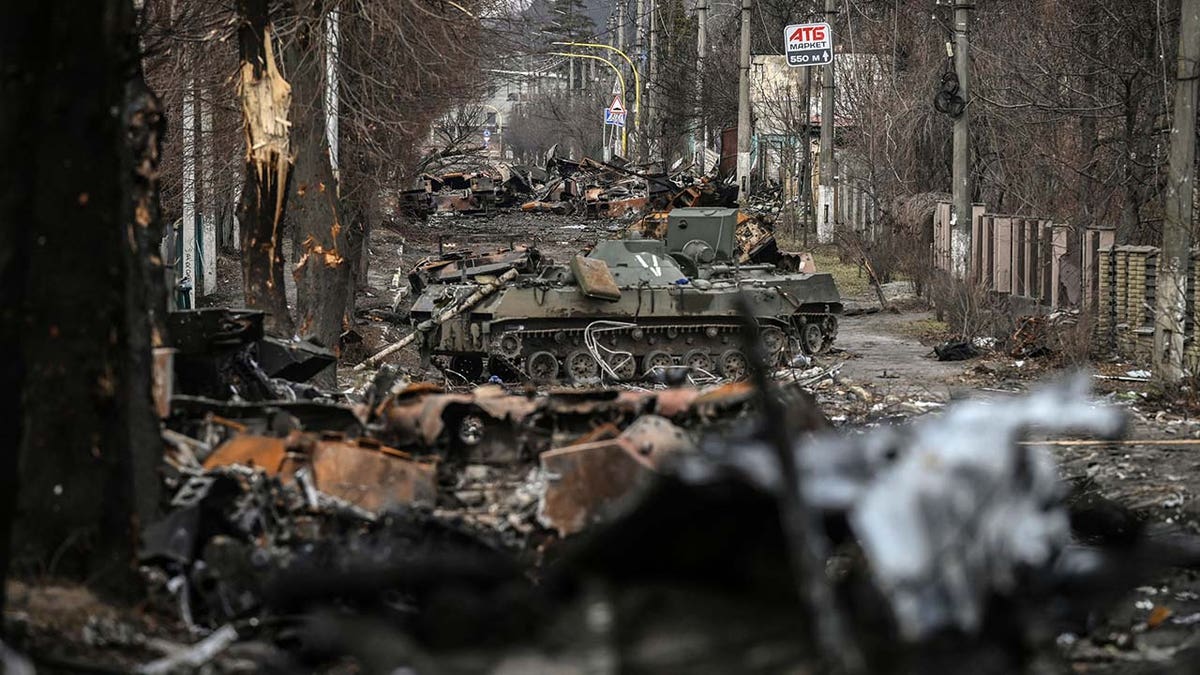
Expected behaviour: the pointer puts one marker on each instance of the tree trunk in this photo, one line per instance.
(266, 98)
(323, 271)
(81, 292)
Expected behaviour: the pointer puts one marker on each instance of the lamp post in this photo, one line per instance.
(637, 80)
(620, 79)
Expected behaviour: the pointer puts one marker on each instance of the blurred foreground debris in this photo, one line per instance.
(481, 528)
(484, 528)
(649, 529)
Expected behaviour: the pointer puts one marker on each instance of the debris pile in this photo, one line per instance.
(587, 188)
(263, 471)
(478, 527)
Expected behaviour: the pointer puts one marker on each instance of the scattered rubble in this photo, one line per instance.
(955, 525)
(489, 526)
(587, 188)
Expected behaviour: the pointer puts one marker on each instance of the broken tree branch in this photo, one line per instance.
(486, 289)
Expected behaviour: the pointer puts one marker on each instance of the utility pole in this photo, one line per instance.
(960, 218)
(621, 25)
(639, 46)
(701, 52)
(652, 89)
(825, 190)
(1171, 290)
(743, 138)
(187, 224)
(805, 204)
(208, 210)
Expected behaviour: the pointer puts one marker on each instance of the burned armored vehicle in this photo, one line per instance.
(626, 310)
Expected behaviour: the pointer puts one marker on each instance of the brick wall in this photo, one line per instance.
(1125, 305)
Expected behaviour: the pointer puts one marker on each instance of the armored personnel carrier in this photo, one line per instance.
(627, 309)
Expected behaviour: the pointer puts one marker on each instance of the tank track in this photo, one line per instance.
(619, 351)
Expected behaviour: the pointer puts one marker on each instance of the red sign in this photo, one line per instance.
(813, 32)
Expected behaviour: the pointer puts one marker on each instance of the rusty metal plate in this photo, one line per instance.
(590, 482)
(372, 478)
(672, 403)
(263, 452)
(162, 380)
(619, 207)
(595, 280)
(362, 472)
(655, 438)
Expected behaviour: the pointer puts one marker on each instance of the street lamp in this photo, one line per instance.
(620, 79)
(637, 80)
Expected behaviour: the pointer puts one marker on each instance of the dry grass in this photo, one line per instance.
(927, 330)
(851, 280)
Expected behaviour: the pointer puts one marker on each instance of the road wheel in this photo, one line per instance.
(657, 361)
(470, 367)
(624, 365)
(582, 367)
(542, 367)
(509, 346)
(831, 329)
(698, 360)
(775, 342)
(734, 364)
(812, 338)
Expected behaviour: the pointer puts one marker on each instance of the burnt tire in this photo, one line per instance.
(470, 367)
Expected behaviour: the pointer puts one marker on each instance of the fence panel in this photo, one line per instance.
(1022, 255)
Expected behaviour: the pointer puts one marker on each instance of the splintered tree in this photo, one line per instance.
(324, 274)
(78, 259)
(266, 99)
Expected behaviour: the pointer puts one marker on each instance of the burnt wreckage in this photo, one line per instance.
(630, 308)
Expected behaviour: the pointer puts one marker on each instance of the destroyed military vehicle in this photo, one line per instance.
(628, 309)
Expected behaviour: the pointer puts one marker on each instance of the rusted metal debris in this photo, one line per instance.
(464, 266)
(361, 471)
(393, 449)
(593, 481)
(489, 425)
(588, 188)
